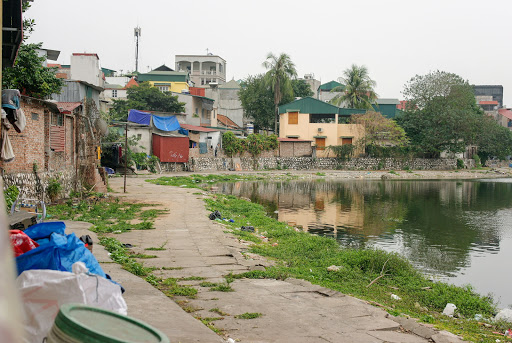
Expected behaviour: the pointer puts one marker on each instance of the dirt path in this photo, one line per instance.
(292, 310)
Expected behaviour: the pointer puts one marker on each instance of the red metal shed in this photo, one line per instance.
(170, 149)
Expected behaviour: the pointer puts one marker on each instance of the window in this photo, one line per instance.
(114, 93)
(35, 116)
(322, 118)
(163, 88)
(293, 118)
(57, 119)
(346, 141)
(320, 143)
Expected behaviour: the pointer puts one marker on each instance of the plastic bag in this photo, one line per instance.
(21, 243)
(45, 230)
(44, 291)
(60, 253)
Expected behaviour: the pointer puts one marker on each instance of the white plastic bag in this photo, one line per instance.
(44, 291)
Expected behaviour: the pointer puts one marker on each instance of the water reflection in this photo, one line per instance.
(441, 226)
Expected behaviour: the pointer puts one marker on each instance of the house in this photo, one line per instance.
(319, 122)
(203, 140)
(45, 149)
(166, 79)
(203, 69)
(294, 147)
(227, 101)
(116, 91)
(505, 117)
(489, 93)
(198, 109)
(314, 84)
(325, 90)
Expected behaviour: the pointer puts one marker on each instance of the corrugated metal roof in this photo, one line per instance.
(197, 128)
(388, 101)
(327, 87)
(312, 106)
(226, 121)
(67, 107)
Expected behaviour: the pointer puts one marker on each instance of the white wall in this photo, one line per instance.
(145, 140)
(86, 68)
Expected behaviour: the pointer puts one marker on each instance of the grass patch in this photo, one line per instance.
(160, 248)
(222, 288)
(172, 268)
(208, 321)
(248, 315)
(119, 254)
(142, 256)
(219, 312)
(208, 284)
(151, 214)
(320, 174)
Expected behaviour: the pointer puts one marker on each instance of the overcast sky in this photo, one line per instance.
(395, 39)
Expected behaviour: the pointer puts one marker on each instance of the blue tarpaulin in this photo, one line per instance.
(166, 123)
(139, 117)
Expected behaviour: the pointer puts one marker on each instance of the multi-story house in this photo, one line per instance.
(166, 79)
(203, 69)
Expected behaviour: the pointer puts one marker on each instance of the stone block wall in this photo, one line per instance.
(310, 163)
(33, 185)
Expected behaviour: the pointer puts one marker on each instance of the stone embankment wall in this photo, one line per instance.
(310, 163)
(33, 185)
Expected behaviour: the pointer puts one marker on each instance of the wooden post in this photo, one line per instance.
(125, 154)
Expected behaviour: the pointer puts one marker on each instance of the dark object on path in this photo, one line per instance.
(127, 245)
(215, 215)
(247, 228)
(87, 241)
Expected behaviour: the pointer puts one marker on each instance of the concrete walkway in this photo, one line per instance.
(293, 310)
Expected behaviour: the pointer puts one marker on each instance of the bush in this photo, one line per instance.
(343, 152)
(10, 195)
(460, 163)
(254, 144)
(53, 189)
(478, 161)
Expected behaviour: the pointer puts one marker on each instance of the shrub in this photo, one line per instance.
(53, 189)
(460, 163)
(10, 195)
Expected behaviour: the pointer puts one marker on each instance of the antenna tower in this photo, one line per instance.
(137, 34)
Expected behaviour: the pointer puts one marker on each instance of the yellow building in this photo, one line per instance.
(322, 123)
(167, 80)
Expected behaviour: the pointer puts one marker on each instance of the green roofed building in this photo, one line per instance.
(166, 80)
(325, 90)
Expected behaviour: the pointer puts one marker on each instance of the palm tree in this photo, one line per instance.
(280, 71)
(358, 90)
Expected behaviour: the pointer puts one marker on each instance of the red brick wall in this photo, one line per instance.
(28, 146)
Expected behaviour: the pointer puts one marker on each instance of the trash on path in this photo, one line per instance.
(21, 242)
(247, 228)
(333, 268)
(449, 310)
(215, 215)
(231, 340)
(231, 220)
(504, 314)
(395, 297)
(508, 333)
(87, 240)
(44, 291)
(275, 244)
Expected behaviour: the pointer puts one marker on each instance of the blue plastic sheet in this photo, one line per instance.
(45, 230)
(139, 117)
(59, 254)
(166, 123)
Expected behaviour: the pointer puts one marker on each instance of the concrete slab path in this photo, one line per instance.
(292, 310)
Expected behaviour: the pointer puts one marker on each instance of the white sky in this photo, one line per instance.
(395, 39)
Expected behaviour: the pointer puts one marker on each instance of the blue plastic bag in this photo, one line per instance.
(45, 230)
(59, 254)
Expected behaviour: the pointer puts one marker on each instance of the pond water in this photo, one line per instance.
(458, 231)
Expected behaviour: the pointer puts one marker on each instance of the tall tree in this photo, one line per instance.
(258, 101)
(441, 114)
(379, 130)
(29, 75)
(280, 72)
(146, 98)
(358, 89)
(301, 89)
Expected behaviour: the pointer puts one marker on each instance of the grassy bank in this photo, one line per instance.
(385, 279)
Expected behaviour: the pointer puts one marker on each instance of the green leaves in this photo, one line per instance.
(30, 76)
(358, 91)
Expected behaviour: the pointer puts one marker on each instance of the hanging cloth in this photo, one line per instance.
(139, 117)
(6, 153)
(166, 123)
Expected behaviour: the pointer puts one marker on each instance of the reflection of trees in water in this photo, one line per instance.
(438, 222)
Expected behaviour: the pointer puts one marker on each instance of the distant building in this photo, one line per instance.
(489, 93)
(310, 80)
(166, 80)
(388, 107)
(227, 101)
(203, 69)
(325, 91)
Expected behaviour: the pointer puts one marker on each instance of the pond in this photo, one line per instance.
(458, 231)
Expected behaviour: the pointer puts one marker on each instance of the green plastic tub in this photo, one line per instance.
(85, 324)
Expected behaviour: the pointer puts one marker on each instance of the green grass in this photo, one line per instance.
(171, 288)
(208, 284)
(151, 214)
(222, 288)
(320, 174)
(172, 268)
(142, 256)
(160, 248)
(219, 312)
(191, 278)
(248, 315)
(119, 254)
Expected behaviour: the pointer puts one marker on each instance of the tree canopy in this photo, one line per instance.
(301, 89)
(358, 90)
(29, 75)
(379, 130)
(280, 72)
(257, 100)
(442, 115)
(145, 98)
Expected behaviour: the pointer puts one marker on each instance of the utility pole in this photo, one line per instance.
(137, 34)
